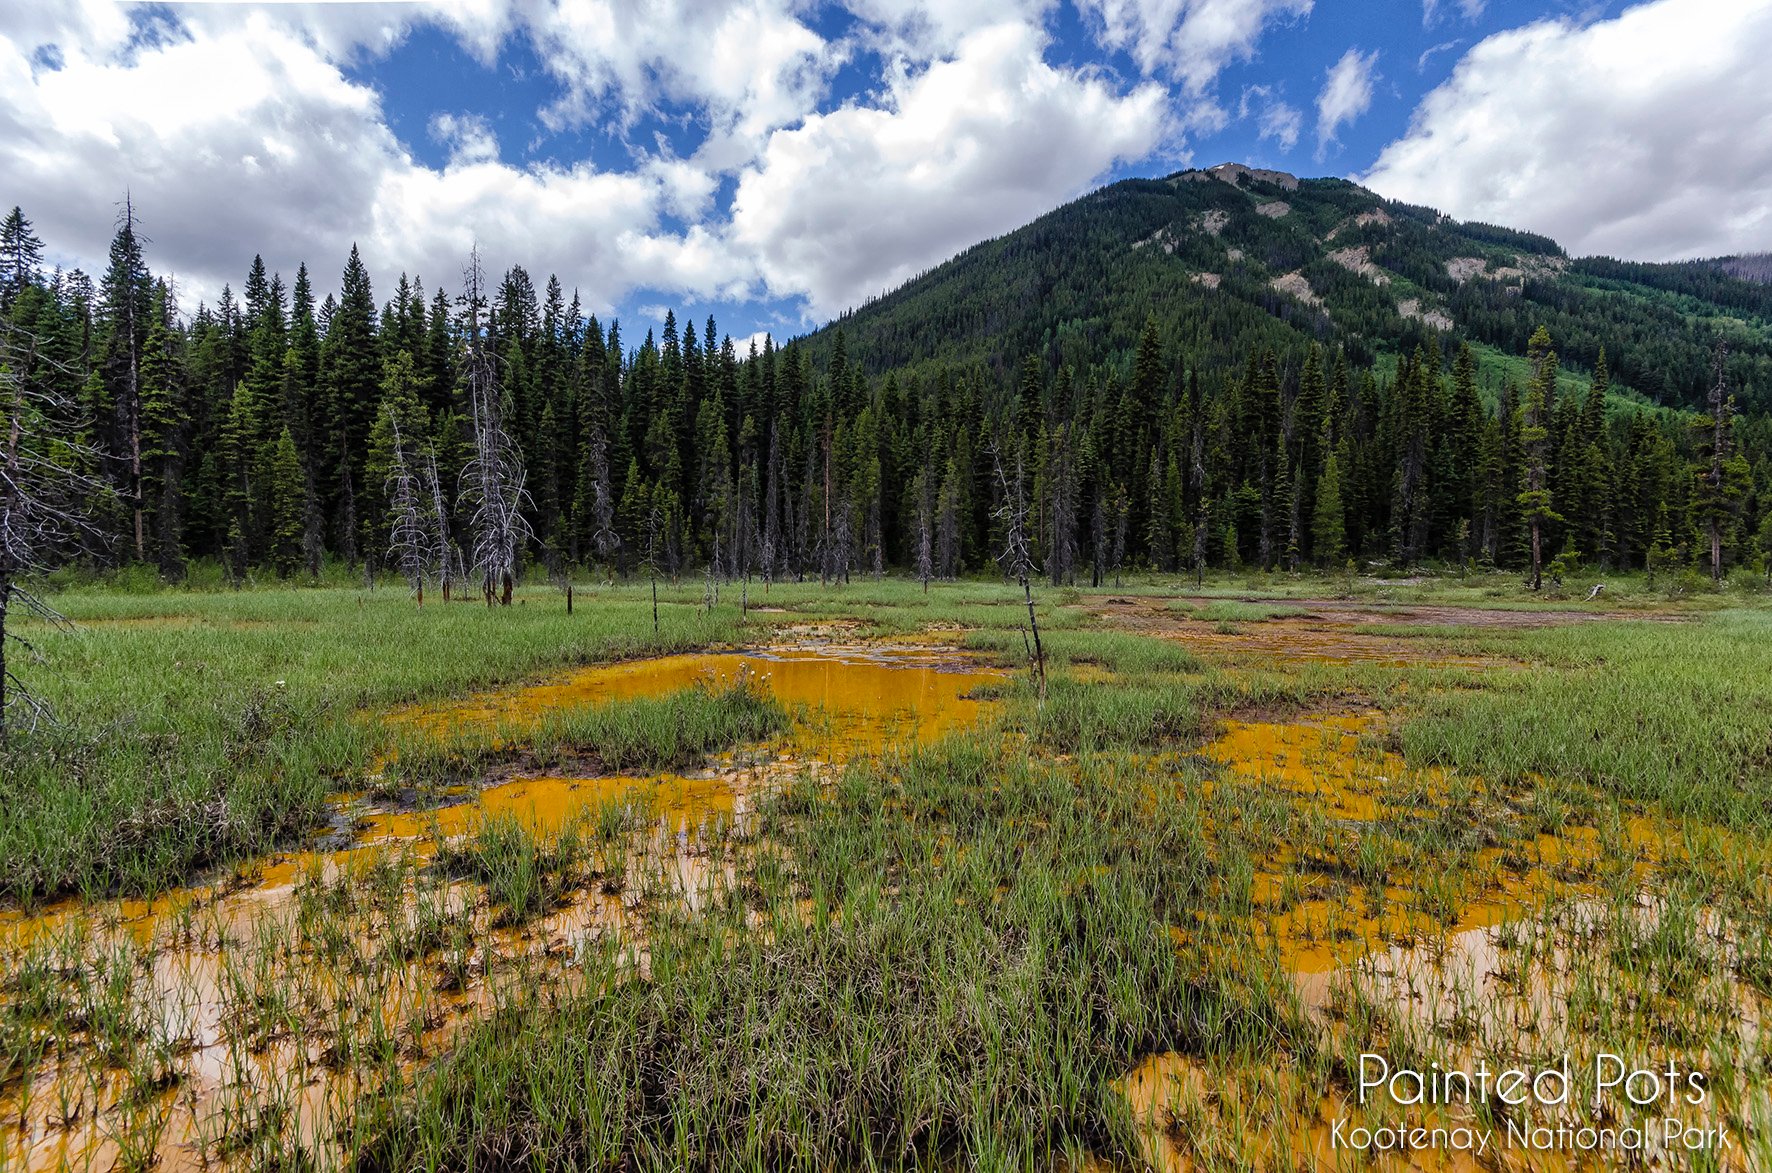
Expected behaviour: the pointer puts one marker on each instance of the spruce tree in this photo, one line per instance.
(163, 439)
(1535, 499)
(124, 317)
(1328, 522)
(21, 255)
(288, 497)
(351, 373)
(1720, 477)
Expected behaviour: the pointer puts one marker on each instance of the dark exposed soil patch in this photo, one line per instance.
(1156, 611)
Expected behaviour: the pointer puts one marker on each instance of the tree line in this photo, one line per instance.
(460, 436)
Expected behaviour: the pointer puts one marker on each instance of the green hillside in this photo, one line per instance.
(1230, 259)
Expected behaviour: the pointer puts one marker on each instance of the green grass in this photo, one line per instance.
(217, 728)
(938, 960)
(666, 732)
(1676, 714)
(958, 953)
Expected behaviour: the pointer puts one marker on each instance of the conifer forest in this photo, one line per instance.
(486, 426)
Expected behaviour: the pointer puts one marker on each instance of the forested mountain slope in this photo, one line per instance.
(1221, 368)
(1231, 258)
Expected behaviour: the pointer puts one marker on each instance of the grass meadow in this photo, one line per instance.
(1149, 916)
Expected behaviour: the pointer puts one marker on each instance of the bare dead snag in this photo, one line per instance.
(492, 481)
(1017, 560)
(45, 493)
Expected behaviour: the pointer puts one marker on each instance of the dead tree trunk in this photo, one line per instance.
(45, 493)
(1017, 560)
(410, 544)
(493, 479)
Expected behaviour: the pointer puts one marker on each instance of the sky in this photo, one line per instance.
(776, 162)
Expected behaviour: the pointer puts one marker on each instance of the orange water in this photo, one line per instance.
(202, 957)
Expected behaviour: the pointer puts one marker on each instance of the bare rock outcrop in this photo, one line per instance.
(1358, 260)
(1236, 174)
(1295, 285)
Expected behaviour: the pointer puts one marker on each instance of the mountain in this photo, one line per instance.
(1231, 258)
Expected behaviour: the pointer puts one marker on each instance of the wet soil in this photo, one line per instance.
(235, 996)
(1327, 630)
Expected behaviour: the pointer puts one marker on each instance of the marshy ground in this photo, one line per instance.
(314, 878)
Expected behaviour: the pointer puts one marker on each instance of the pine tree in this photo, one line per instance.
(163, 420)
(1720, 476)
(288, 496)
(21, 256)
(124, 316)
(1328, 522)
(1535, 500)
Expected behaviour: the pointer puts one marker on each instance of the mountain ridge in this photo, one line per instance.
(1266, 258)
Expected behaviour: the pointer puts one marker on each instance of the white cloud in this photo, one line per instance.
(1432, 51)
(1275, 118)
(858, 199)
(922, 30)
(746, 66)
(469, 137)
(1346, 94)
(239, 129)
(1469, 9)
(297, 162)
(1189, 41)
(1648, 135)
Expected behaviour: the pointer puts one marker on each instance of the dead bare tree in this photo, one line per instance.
(654, 522)
(45, 493)
(605, 541)
(448, 557)
(1061, 480)
(492, 480)
(840, 541)
(925, 526)
(1017, 559)
(411, 542)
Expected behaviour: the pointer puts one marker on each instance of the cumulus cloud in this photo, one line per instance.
(247, 139)
(242, 129)
(1275, 118)
(1648, 135)
(744, 66)
(860, 198)
(1189, 41)
(919, 29)
(1346, 94)
(469, 137)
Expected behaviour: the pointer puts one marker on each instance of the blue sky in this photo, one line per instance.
(775, 161)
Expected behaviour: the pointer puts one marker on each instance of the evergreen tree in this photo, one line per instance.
(21, 256)
(125, 312)
(1535, 499)
(351, 372)
(1720, 476)
(1328, 523)
(163, 419)
(288, 496)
